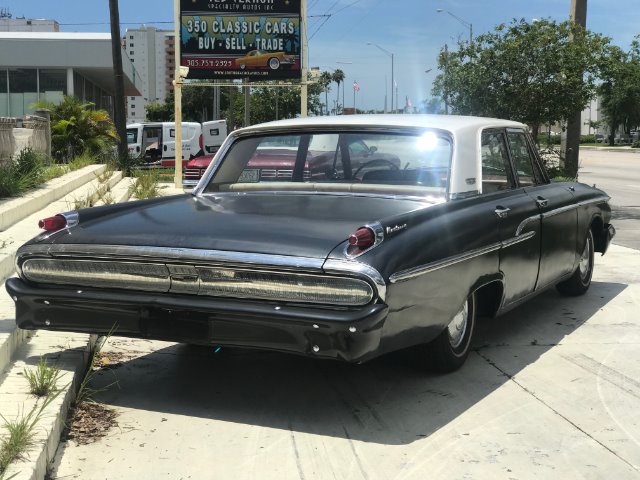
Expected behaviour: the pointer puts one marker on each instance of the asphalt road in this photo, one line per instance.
(617, 173)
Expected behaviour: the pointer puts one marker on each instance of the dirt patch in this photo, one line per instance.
(89, 422)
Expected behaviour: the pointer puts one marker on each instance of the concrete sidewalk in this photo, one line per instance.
(551, 391)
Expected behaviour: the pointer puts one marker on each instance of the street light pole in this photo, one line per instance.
(469, 25)
(392, 70)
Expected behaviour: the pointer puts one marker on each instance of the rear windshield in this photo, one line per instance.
(340, 162)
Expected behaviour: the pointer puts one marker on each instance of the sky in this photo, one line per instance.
(412, 30)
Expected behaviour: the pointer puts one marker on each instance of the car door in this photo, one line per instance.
(555, 202)
(519, 220)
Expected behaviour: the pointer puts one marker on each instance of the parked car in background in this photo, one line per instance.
(213, 135)
(275, 160)
(376, 233)
(155, 142)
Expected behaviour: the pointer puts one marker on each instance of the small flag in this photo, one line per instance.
(356, 86)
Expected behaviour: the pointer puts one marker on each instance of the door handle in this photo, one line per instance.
(502, 212)
(542, 202)
(571, 189)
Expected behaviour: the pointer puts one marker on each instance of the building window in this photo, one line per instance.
(53, 85)
(4, 96)
(131, 45)
(130, 37)
(133, 98)
(130, 53)
(23, 90)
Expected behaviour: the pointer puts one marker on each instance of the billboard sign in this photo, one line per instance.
(231, 39)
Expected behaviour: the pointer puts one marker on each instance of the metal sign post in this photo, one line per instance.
(304, 49)
(177, 91)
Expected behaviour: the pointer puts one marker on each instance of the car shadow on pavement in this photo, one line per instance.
(385, 401)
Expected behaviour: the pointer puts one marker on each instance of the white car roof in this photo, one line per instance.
(451, 123)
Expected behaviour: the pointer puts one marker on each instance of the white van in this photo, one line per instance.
(156, 142)
(213, 134)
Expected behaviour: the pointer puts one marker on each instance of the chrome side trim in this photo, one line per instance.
(517, 239)
(446, 262)
(558, 211)
(181, 255)
(358, 268)
(453, 260)
(526, 222)
(567, 208)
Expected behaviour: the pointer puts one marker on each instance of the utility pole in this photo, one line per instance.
(446, 91)
(247, 103)
(178, 79)
(304, 90)
(118, 108)
(570, 148)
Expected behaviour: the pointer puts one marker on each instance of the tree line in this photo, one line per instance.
(266, 102)
(541, 73)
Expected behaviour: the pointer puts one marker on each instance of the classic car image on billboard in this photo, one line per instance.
(332, 237)
(264, 59)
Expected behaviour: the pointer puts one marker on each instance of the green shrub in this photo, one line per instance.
(22, 173)
(30, 167)
(146, 185)
(636, 144)
(545, 139)
(43, 380)
(587, 139)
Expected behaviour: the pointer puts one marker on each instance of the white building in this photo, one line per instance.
(44, 66)
(28, 25)
(591, 114)
(152, 52)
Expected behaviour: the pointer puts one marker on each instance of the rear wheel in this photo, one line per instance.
(580, 281)
(274, 63)
(450, 349)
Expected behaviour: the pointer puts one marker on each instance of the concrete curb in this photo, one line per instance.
(16, 400)
(15, 209)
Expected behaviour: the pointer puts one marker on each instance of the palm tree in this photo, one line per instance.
(76, 129)
(325, 81)
(338, 77)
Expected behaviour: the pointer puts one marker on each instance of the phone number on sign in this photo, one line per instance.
(208, 63)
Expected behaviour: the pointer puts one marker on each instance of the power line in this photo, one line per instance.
(107, 23)
(328, 15)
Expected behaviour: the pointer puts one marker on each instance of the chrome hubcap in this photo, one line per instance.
(458, 326)
(584, 259)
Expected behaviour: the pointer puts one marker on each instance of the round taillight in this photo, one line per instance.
(51, 224)
(362, 238)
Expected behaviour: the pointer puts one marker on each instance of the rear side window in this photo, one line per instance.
(523, 160)
(496, 170)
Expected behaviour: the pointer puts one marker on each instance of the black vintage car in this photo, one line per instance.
(405, 231)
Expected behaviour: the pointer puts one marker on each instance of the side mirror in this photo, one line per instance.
(373, 149)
